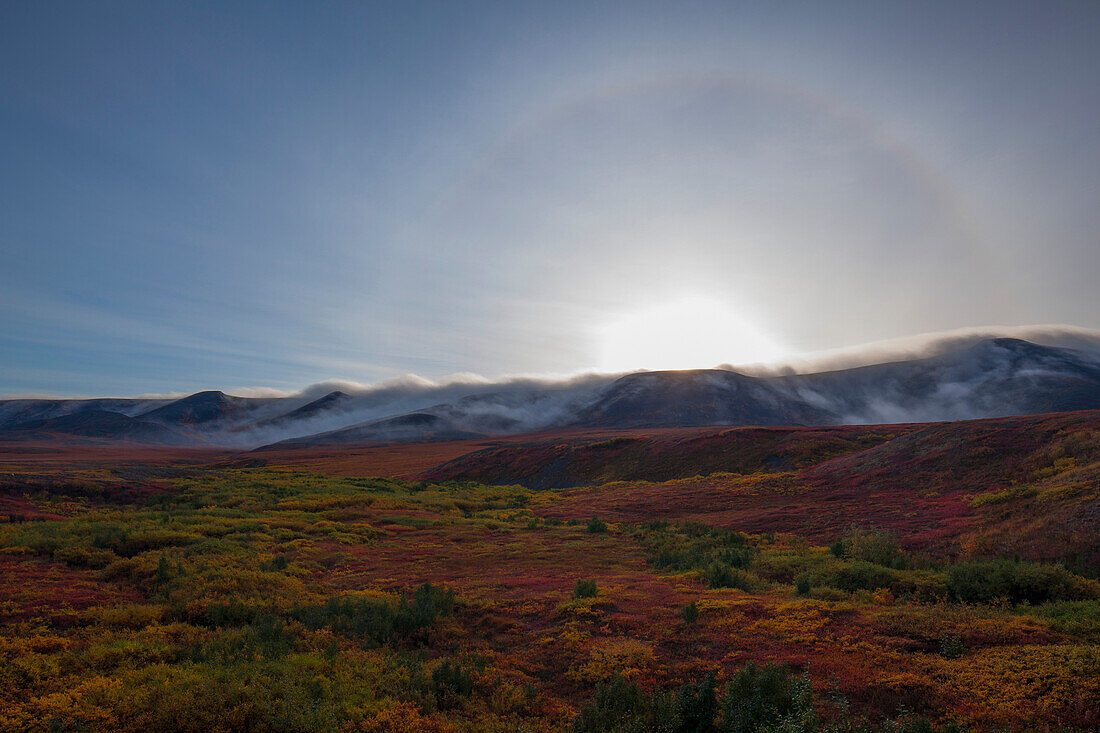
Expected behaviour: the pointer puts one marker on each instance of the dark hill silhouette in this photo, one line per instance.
(97, 424)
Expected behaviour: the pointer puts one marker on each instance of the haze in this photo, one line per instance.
(271, 195)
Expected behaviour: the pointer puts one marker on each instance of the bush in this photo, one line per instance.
(863, 576)
(694, 546)
(951, 646)
(377, 619)
(617, 705)
(596, 526)
(585, 589)
(803, 586)
(1078, 618)
(870, 545)
(721, 575)
(690, 614)
(983, 581)
(767, 698)
(621, 706)
(696, 705)
(451, 681)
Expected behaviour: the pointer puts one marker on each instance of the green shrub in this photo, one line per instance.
(694, 546)
(1079, 618)
(983, 581)
(767, 698)
(863, 576)
(596, 526)
(690, 613)
(951, 646)
(618, 705)
(621, 706)
(803, 586)
(721, 575)
(451, 681)
(585, 589)
(869, 545)
(378, 620)
(275, 564)
(696, 705)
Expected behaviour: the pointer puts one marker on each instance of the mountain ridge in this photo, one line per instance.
(996, 377)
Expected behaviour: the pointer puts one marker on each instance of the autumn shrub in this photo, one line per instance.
(291, 694)
(690, 613)
(914, 724)
(596, 526)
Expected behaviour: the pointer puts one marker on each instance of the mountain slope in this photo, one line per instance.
(95, 424)
(414, 427)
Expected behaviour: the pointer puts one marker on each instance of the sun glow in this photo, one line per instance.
(693, 333)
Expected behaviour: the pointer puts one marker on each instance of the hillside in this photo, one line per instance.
(1021, 486)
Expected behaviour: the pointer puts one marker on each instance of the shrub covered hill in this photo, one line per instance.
(918, 578)
(1026, 485)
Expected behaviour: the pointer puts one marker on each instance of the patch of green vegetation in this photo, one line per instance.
(585, 589)
(596, 526)
(1076, 618)
(693, 546)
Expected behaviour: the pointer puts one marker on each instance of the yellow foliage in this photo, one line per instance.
(623, 656)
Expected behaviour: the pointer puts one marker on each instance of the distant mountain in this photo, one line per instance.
(200, 408)
(414, 427)
(697, 398)
(17, 411)
(95, 424)
(993, 378)
(989, 378)
(333, 401)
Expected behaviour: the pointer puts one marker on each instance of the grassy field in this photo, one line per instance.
(811, 585)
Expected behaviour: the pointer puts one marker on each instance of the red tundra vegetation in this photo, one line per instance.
(895, 578)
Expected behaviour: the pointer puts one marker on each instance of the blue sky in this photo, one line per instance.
(211, 195)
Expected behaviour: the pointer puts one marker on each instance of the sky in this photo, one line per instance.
(217, 195)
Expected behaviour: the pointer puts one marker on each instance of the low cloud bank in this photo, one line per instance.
(923, 346)
(938, 376)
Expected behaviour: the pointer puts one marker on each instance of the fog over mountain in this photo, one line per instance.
(960, 375)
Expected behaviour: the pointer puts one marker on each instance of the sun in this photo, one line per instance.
(691, 333)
